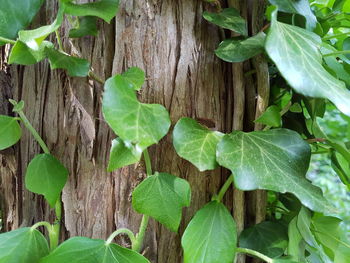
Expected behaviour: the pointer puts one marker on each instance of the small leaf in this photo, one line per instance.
(122, 155)
(87, 27)
(275, 160)
(86, 250)
(76, 67)
(105, 9)
(296, 108)
(196, 143)
(211, 236)
(18, 106)
(228, 18)
(47, 176)
(271, 117)
(135, 76)
(232, 50)
(136, 123)
(10, 131)
(23, 245)
(162, 196)
(23, 55)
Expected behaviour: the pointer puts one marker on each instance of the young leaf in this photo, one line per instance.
(105, 9)
(228, 18)
(271, 117)
(232, 50)
(135, 76)
(24, 245)
(47, 176)
(10, 131)
(76, 67)
(86, 250)
(162, 196)
(16, 15)
(23, 55)
(275, 160)
(122, 155)
(136, 123)
(268, 238)
(87, 27)
(211, 236)
(296, 54)
(196, 143)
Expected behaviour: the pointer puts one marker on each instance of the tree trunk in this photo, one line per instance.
(174, 45)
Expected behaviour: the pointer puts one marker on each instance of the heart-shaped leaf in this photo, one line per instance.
(296, 53)
(232, 50)
(228, 18)
(271, 117)
(122, 155)
(136, 123)
(135, 76)
(211, 236)
(24, 245)
(86, 27)
(86, 250)
(10, 131)
(275, 160)
(196, 143)
(16, 15)
(47, 176)
(162, 196)
(23, 55)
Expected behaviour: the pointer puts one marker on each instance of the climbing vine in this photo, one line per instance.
(306, 46)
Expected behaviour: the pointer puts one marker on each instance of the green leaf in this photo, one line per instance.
(275, 160)
(270, 117)
(10, 132)
(47, 176)
(295, 249)
(105, 9)
(232, 50)
(136, 123)
(268, 238)
(16, 15)
(24, 245)
(278, 260)
(342, 255)
(87, 27)
(86, 250)
(296, 108)
(76, 67)
(135, 76)
(301, 7)
(162, 196)
(297, 56)
(122, 155)
(196, 143)
(23, 55)
(228, 18)
(211, 236)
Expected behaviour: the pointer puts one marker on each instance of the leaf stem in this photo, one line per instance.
(337, 53)
(147, 162)
(335, 36)
(42, 223)
(121, 231)
(224, 189)
(7, 40)
(254, 253)
(93, 76)
(59, 40)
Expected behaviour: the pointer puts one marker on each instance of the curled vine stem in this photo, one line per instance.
(126, 231)
(255, 254)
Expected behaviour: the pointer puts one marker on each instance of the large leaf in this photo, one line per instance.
(232, 50)
(162, 196)
(105, 9)
(274, 160)
(47, 176)
(10, 131)
(24, 245)
(296, 53)
(24, 55)
(211, 236)
(228, 18)
(139, 124)
(86, 250)
(135, 76)
(16, 15)
(196, 143)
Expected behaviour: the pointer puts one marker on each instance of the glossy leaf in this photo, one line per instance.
(47, 176)
(136, 123)
(196, 143)
(23, 245)
(162, 196)
(295, 249)
(135, 76)
(296, 54)
(122, 155)
(87, 27)
(268, 238)
(228, 18)
(10, 131)
(232, 50)
(23, 55)
(274, 160)
(76, 67)
(86, 250)
(211, 236)
(16, 15)
(105, 9)
(271, 117)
